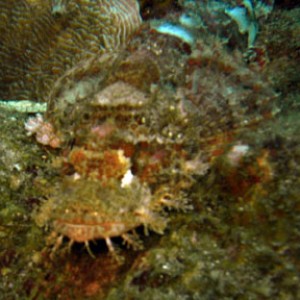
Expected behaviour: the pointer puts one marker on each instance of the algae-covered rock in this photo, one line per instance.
(230, 246)
(21, 168)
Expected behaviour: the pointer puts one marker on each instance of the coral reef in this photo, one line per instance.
(282, 47)
(39, 45)
(43, 130)
(233, 245)
(157, 8)
(161, 169)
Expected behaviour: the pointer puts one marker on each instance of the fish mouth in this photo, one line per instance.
(83, 232)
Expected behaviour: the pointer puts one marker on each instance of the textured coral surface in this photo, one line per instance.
(38, 45)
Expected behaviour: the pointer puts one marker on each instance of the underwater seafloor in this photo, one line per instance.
(181, 126)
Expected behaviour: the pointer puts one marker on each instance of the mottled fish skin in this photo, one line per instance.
(131, 145)
(119, 169)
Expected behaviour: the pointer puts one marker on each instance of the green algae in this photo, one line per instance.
(226, 248)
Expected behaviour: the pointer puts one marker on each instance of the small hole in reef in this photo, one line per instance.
(86, 116)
